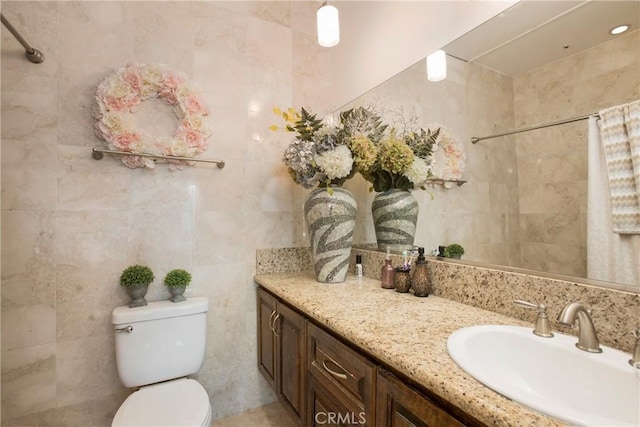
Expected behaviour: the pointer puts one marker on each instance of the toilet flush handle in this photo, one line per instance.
(127, 329)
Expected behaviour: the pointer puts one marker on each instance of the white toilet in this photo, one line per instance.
(157, 346)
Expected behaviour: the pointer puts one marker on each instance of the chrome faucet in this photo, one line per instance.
(587, 337)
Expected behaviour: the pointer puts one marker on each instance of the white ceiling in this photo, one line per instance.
(534, 33)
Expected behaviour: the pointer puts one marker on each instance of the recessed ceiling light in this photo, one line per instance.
(619, 29)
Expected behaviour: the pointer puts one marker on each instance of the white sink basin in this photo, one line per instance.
(551, 375)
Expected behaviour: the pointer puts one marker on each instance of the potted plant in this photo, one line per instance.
(177, 280)
(454, 250)
(136, 280)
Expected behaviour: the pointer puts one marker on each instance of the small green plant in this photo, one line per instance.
(454, 250)
(136, 275)
(177, 278)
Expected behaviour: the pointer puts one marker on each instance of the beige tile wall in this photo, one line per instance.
(552, 162)
(70, 225)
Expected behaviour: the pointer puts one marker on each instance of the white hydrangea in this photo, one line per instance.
(336, 163)
(418, 172)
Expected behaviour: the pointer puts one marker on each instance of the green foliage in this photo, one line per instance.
(385, 181)
(361, 121)
(453, 250)
(422, 142)
(306, 125)
(136, 275)
(177, 278)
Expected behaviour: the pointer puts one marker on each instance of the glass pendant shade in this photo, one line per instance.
(328, 26)
(437, 66)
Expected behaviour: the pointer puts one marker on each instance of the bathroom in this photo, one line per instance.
(71, 224)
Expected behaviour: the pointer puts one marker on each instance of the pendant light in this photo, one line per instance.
(437, 66)
(328, 25)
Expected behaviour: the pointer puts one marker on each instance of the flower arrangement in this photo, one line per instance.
(118, 96)
(326, 153)
(403, 162)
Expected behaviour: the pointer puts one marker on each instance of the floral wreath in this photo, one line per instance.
(448, 158)
(118, 96)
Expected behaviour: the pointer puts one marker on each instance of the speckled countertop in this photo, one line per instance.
(406, 333)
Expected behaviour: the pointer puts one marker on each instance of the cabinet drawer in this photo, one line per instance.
(344, 373)
(400, 405)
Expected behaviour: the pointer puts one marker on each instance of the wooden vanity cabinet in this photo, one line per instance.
(399, 405)
(281, 352)
(322, 381)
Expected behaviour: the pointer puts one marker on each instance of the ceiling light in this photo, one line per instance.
(328, 25)
(437, 66)
(619, 29)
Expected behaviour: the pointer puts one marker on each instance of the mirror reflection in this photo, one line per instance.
(525, 201)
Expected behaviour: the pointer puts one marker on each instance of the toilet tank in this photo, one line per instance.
(160, 341)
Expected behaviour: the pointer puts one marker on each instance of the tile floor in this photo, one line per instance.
(272, 415)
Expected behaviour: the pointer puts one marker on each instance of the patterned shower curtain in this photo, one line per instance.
(611, 255)
(620, 133)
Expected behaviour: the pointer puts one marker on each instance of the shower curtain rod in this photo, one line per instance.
(475, 139)
(33, 55)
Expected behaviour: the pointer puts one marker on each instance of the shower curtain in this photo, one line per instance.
(611, 256)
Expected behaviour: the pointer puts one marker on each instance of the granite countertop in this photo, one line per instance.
(406, 333)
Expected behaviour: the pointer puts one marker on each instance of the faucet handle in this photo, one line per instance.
(543, 326)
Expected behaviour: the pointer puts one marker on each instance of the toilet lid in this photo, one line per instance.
(182, 402)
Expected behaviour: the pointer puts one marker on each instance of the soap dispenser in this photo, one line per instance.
(387, 271)
(421, 282)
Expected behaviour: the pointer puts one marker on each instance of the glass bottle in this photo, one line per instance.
(421, 282)
(387, 272)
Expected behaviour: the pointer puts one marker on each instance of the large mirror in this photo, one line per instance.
(525, 201)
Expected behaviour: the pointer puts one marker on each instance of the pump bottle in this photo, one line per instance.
(387, 272)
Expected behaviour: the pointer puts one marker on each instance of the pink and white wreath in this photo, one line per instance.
(117, 98)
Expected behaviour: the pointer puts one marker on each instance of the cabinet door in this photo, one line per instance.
(399, 405)
(325, 409)
(266, 337)
(290, 330)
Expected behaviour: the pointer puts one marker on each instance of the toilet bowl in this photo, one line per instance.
(182, 402)
(157, 346)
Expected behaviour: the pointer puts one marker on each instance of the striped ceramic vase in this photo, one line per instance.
(395, 214)
(331, 219)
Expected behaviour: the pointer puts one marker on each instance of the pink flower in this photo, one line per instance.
(123, 141)
(191, 137)
(172, 81)
(168, 98)
(131, 77)
(193, 104)
(450, 150)
(114, 104)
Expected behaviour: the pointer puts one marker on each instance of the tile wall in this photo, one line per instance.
(70, 224)
(552, 162)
